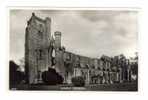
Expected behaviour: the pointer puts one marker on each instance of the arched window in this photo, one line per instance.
(40, 54)
(40, 31)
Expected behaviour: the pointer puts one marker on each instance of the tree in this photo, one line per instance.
(15, 76)
(22, 64)
(134, 65)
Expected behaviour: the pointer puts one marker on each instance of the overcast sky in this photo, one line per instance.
(89, 33)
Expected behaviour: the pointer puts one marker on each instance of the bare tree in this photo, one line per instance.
(22, 64)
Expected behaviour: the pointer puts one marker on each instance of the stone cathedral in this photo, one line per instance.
(42, 48)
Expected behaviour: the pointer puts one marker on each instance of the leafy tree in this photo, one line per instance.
(15, 76)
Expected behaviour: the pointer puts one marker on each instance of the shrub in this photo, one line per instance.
(78, 81)
(51, 77)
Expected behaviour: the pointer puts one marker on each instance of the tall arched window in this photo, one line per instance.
(40, 54)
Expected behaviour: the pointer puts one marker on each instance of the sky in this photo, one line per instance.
(90, 33)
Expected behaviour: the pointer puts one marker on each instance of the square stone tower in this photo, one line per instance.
(37, 48)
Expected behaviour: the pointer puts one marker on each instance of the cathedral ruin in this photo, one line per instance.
(42, 50)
